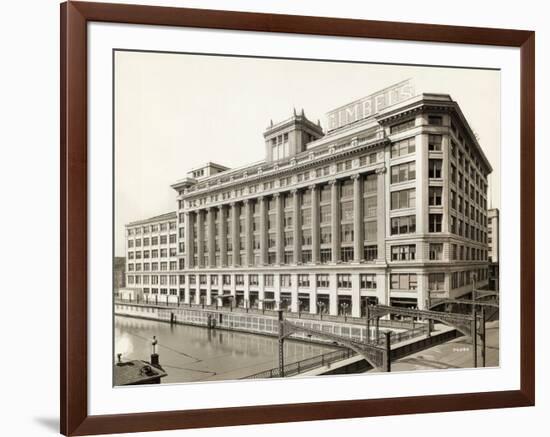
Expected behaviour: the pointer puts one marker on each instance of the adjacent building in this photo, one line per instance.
(119, 280)
(493, 238)
(389, 206)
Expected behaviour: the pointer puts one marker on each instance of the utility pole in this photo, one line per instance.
(483, 337)
(388, 351)
(281, 344)
(474, 336)
(368, 323)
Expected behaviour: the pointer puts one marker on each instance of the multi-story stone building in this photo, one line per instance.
(119, 271)
(388, 206)
(493, 238)
(151, 256)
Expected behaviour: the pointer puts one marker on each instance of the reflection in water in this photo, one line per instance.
(191, 353)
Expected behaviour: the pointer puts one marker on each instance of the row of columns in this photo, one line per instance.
(261, 289)
(236, 209)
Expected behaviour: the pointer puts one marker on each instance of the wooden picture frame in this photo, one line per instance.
(74, 209)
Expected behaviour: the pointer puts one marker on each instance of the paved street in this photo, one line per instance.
(454, 354)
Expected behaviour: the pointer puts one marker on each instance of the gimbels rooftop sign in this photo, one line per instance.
(370, 105)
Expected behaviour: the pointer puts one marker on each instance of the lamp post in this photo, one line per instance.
(345, 306)
(321, 306)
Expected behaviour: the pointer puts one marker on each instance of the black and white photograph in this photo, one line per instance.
(291, 218)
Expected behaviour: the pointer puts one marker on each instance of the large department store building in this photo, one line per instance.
(388, 206)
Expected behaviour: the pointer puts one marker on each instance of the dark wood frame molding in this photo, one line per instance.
(74, 199)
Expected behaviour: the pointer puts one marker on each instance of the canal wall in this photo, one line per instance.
(244, 322)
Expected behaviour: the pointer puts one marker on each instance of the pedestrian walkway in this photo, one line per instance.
(453, 354)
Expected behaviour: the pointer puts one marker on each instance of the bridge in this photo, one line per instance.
(467, 324)
(377, 356)
(480, 298)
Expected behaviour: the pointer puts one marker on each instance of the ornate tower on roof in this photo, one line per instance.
(290, 137)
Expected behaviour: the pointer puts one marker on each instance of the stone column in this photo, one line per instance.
(208, 291)
(277, 290)
(422, 290)
(315, 227)
(200, 239)
(261, 290)
(211, 238)
(222, 237)
(297, 227)
(381, 210)
(313, 293)
(294, 293)
(279, 228)
(382, 292)
(263, 230)
(355, 296)
(186, 298)
(235, 233)
(249, 253)
(333, 295)
(422, 183)
(188, 240)
(357, 219)
(335, 219)
(246, 290)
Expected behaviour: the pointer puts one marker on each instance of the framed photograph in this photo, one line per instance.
(273, 218)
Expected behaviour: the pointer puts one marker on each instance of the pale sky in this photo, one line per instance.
(174, 112)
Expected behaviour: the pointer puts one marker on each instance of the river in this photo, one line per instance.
(192, 353)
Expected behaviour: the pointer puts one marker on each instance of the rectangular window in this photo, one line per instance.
(370, 206)
(286, 281)
(367, 280)
(370, 230)
(253, 280)
(403, 147)
(370, 253)
(436, 251)
(346, 233)
(306, 256)
(436, 120)
(403, 172)
(344, 280)
(435, 221)
(323, 281)
(434, 143)
(406, 252)
(346, 254)
(325, 214)
(403, 126)
(325, 255)
(435, 194)
(403, 199)
(303, 280)
(403, 225)
(269, 280)
(436, 281)
(435, 168)
(403, 281)
(289, 257)
(347, 210)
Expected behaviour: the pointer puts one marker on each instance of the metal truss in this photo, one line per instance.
(376, 356)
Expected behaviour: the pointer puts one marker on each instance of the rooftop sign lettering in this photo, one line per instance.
(370, 105)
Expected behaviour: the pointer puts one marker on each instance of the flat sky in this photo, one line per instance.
(174, 112)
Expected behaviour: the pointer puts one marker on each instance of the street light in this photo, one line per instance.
(344, 306)
(321, 306)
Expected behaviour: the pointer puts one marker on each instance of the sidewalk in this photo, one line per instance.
(454, 354)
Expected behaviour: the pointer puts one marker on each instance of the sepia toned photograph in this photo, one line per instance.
(291, 218)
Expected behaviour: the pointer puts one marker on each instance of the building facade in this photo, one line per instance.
(119, 269)
(493, 238)
(388, 206)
